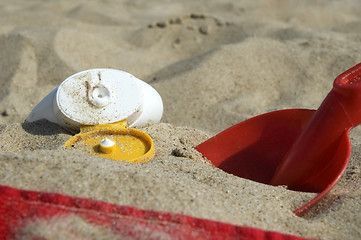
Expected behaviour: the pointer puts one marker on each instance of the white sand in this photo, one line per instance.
(215, 63)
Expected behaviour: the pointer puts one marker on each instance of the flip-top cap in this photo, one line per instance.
(100, 96)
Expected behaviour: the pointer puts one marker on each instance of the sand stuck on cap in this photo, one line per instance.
(215, 63)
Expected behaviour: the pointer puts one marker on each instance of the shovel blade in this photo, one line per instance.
(327, 177)
(254, 148)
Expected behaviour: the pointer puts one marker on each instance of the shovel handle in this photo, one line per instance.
(312, 151)
(348, 87)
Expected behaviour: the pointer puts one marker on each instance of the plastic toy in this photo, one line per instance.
(305, 150)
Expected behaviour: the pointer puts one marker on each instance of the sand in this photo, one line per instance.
(215, 63)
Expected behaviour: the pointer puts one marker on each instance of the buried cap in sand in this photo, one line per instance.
(114, 141)
(101, 103)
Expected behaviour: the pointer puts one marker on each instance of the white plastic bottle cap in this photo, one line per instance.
(99, 96)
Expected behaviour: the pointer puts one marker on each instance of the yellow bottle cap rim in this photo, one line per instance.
(130, 144)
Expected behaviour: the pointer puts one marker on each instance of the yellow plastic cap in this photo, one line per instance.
(115, 141)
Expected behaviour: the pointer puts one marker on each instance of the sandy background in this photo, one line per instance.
(215, 63)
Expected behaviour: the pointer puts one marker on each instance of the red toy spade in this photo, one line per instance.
(306, 150)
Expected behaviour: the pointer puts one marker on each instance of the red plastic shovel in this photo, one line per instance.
(306, 150)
